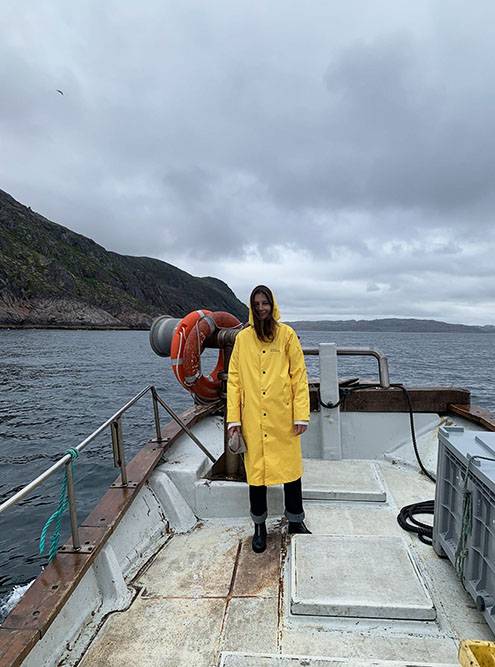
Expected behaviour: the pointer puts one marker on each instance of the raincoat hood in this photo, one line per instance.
(276, 309)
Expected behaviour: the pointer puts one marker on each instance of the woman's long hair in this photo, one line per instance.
(265, 329)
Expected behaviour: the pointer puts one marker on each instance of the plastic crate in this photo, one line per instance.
(477, 654)
(455, 449)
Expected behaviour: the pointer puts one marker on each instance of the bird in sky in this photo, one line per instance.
(59, 91)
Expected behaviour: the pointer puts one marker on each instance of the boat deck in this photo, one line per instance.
(206, 599)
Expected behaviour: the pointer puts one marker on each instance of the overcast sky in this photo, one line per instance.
(341, 152)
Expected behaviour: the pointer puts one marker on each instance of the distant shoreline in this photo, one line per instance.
(399, 331)
(467, 329)
(390, 325)
(62, 327)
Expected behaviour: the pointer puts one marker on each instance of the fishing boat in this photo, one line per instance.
(161, 572)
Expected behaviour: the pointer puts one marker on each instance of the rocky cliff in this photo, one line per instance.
(53, 277)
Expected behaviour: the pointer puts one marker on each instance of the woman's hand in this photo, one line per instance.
(299, 429)
(232, 430)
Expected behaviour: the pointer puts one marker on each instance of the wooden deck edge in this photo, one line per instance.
(15, 645)
(378, 399)
(40, 605)
(475, 414)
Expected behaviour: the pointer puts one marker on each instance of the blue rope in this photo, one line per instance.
(63, 503)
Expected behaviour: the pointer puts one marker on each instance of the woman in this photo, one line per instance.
(268, 399)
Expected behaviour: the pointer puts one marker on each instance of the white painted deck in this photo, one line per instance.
(206, 599)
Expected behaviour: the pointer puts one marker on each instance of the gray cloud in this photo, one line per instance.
(350, 161)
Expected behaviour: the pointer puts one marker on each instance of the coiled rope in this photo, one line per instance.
(407, 521)
(56, 517)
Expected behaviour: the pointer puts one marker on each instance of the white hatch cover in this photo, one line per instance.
(357, 576)
(342, 480)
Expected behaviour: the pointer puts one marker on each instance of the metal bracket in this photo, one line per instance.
(129, 485)
(84, 549)
(162, 441)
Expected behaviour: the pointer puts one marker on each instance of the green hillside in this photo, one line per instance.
(51, 276)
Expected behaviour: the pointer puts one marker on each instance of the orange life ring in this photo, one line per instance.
(187, 346)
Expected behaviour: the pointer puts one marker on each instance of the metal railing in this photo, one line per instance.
(363, 352)
(115, 424)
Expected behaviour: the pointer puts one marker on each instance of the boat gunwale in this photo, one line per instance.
(377, 399)
(30, 619)
(475, 414)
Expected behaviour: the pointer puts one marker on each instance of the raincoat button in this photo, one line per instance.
(264, 372)
(264, 414)
(264, 351)
(264, 393)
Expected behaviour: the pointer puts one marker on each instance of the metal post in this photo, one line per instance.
(157, 415)
(72, 506)
(185, 428)
(118, 449)
(331, 445)
(361, 351)
(383, 369)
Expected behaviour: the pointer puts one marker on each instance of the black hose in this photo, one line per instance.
(413, 432)
(405, 517)
(346, 390)
(407, 521)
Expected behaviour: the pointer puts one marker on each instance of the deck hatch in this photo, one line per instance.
(342, 480)
(357, 576)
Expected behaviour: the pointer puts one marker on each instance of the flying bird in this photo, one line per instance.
(59, 91)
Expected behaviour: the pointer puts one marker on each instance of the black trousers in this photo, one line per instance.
(292, 498)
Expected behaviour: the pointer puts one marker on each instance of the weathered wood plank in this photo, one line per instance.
(423, 399)
(39, 606)
(475, 414)
(15, 645)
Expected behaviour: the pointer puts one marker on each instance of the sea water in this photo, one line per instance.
(57, 387)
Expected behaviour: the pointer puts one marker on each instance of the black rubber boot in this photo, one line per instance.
(259, 538)
(298, 527)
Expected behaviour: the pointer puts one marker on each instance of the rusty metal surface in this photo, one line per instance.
(475, 414)
(258, 574)
(423, 399)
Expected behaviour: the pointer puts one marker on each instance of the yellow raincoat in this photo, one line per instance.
(267, 392)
